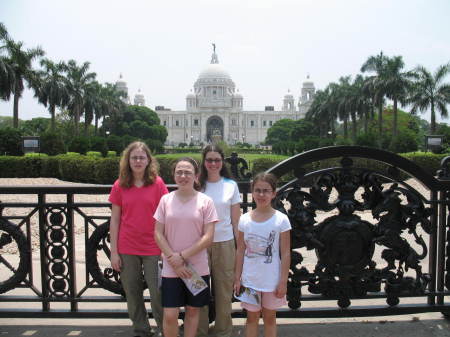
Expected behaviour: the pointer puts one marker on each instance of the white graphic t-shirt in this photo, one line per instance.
(224, 193)
(261, 270)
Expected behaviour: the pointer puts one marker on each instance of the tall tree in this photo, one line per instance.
(77, 82)
(374, 84)
(20, 61)
(429, 92)
(396, 84)
(7, 77)
(52, 91)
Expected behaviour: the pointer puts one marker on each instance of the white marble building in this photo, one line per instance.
(215, 110)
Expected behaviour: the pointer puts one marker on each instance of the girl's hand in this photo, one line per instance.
(116, 262)
(183, 272)
(175, 260)
(237, 287)
(281, 289)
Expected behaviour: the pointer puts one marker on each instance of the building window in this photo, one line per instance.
(165, 123)
(264, 123)
(177, 123)
(252, 124)
(233, 122)
(270, 123)
(195, 122)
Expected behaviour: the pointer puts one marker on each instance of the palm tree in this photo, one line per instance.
(111, 103)
(7, 77)
(428, 92)
(77, 81)
(343, 94)
(52, 90)
(396, 84)
(21, 63)
(374, 85)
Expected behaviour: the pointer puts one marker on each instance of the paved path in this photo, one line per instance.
(422, 325)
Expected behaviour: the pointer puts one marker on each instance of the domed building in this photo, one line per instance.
(214, 111)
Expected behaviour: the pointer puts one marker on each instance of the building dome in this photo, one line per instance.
(214, 71)
(238, 95)
(190, 95)
(308, 83)
(139, 98)
(288, 95)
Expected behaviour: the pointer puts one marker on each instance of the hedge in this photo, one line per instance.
(98, 170)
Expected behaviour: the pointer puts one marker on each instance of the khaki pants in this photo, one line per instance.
(221, 263)
(131, 278)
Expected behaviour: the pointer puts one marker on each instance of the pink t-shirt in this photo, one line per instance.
(184, 226)
(137, 225)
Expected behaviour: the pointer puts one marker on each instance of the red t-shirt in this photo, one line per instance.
(137, 225)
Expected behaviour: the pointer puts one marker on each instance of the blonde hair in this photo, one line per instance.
(125, 173)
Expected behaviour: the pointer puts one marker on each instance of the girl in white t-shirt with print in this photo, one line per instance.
(263, 256)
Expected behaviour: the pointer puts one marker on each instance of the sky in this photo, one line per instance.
(267, 46)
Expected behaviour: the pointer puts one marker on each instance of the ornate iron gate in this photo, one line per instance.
(363, 237)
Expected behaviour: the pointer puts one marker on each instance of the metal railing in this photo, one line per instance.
(364, 240)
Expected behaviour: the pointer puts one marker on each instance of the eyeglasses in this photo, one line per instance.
(138, 158)
(185, 173)
(215, 161)
(263, 191)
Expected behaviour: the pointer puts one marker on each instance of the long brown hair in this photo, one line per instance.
(203, 172)
(125, 173)
(194, 164)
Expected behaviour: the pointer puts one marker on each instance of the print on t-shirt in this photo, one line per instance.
(258, 245)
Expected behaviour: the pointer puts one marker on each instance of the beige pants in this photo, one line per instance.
(221, 263)
(131, 278)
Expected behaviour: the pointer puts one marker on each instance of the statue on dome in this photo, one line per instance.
(214, 58)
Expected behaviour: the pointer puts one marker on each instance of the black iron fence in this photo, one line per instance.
(371, 236)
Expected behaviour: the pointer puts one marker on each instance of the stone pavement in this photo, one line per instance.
(419, 325)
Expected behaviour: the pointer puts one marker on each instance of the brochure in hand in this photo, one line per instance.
(195, 283)
(248, 295)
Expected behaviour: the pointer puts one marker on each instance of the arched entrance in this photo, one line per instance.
(214, 129)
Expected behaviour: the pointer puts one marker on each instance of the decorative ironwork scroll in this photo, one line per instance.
(107, 278)
(10, 234)
(238, 167)
(344, 243)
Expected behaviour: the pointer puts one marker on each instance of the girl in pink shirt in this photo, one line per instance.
(184, 228)
(135, 197)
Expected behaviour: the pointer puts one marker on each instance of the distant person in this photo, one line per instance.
(185, 221)
(216, 183)
(135, 197)
(263, 256)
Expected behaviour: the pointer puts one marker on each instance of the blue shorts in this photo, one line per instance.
(175, 294)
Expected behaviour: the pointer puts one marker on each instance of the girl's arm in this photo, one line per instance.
(235, 215)
(114, 224)
(162, 243)
(240, 245)
(204, 242)
(285, 251)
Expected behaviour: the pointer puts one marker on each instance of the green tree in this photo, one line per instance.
(374, 84)
(396, 84)
(77, 82)
(20, 62)
(7, 76)
(428, 92)
(51, 90)
(279, 131)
